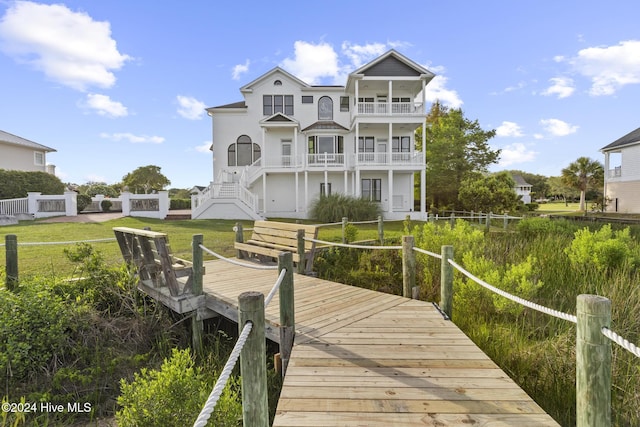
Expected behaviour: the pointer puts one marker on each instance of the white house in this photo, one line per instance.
(522, 188)
(288, 142)
(17, 153)
(622, 173)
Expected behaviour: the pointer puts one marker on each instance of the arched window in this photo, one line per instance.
(243, 152)
(325, 108)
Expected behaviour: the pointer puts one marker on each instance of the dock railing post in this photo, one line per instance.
(446, 280)
(11, 248)
(488, 222)
(253, 370)
(593, 362)
(452, 219)
(505, 225)
(239, 238)
(408, 266)
(197, 324)
(302, 258)
(345, 222)
(380, 230)
(287, 309)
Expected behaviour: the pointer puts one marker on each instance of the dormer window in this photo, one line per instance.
(277, 83)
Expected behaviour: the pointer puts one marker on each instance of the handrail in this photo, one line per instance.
(241, 264)
(345, 245)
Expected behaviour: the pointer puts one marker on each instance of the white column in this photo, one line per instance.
(163, 204)
(306, 191)
(125, 198)
(423, 172)
(357, 183)
(389, 98)
(326, 183)
(346, 182)
(356, 143)
(606, 176)
(390, 190)
(424, 98)
(264, 193)
(71, 203)
(297, 191)
(390, 144)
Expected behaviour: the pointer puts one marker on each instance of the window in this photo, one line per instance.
(277, 83)
(344, 103)
(243, 152)
(326, 144)
(372, 189)
(38, 158)
(307, 99)
(325, 191)
(272, 104)
(325, 108)
(365, 144)
(401, 144)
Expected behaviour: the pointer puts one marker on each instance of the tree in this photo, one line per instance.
(457, 148)
(583, 174)
(489, 193)
(145, 179)
(539, 183)
(557, 187)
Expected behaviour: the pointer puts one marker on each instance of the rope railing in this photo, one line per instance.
(621, 341)
(241, 264)
(69, 242)
(426, 252)
(275, 288)
(221, 383)
(346, 245)
(522, 301)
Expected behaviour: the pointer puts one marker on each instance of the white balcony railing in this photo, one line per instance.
(389, 109)
(393, 159)
(615, 172)
(326, 160)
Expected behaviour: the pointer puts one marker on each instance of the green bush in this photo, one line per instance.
(535, 226)
(16, 184)
(174, 396)
(179, 204)
(334, 207)
(83, 200)
(105, 205)
(604, 249)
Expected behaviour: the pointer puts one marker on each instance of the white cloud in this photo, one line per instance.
(562, 87)
(538, 136)
(240, 69)
(134, 139)
(204, 148)
(95, 178)
(312, 62)
(361, 54)
(516, 153)
(609, 67)
(557, 127)
(437, 90)
(510, 129)
(190, 108)
(68, 47)
(104, 106)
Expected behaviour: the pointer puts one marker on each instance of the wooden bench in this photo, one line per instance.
(269, 238)
(150, 253)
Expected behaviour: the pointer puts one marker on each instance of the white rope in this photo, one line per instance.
(275, 288)
(329, 224)
(241, 264)
(375, 221)
(532, 305)
(71, 242)
(622, 342)
(207, 410)
(344, 245)
(423, 251)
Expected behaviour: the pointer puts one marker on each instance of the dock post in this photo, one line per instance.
(239, 238)
(302, 259)
(197, 324)
(505, 225)
(287, 309)
(593, 362)
(380, 230)
(408, 266)
(253, 369)
(446, 280)
(488, 223)
(345, 222)
(11, 248)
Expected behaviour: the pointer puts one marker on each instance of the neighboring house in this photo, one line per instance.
(522, 188)
(17, 153)
(622, 173)
(288, 142)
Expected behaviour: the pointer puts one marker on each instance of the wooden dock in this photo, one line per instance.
(365, 358)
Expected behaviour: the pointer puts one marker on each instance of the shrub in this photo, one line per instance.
(334, 207)
(83, 200)
(173, 396)
(535, 226)
(16, 184)
(604, 249)
(179, 204)
(105, 205)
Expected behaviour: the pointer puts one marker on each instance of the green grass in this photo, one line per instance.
(558, 207)
(218, 236)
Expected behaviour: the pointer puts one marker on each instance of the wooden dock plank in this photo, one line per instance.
(363, 358)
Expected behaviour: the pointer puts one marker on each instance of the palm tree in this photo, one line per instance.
(582, 174)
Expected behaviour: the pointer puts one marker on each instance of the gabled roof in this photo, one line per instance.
(520, 182)
(277, 70)
(632, 137)
(324, 125)
(239, 104)
(279, 119)
(9, 138)
(392, 60)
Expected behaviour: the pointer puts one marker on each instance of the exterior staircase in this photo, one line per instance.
(225, 200)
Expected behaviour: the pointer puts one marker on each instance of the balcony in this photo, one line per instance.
(393, 159)
(615, 172)
(389, 109)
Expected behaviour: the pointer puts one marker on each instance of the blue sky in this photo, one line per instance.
(114, 85)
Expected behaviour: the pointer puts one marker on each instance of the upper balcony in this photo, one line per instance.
(615, 172)
(386, 109)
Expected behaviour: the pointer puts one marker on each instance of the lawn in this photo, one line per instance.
(37, 253)
(558, 207)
